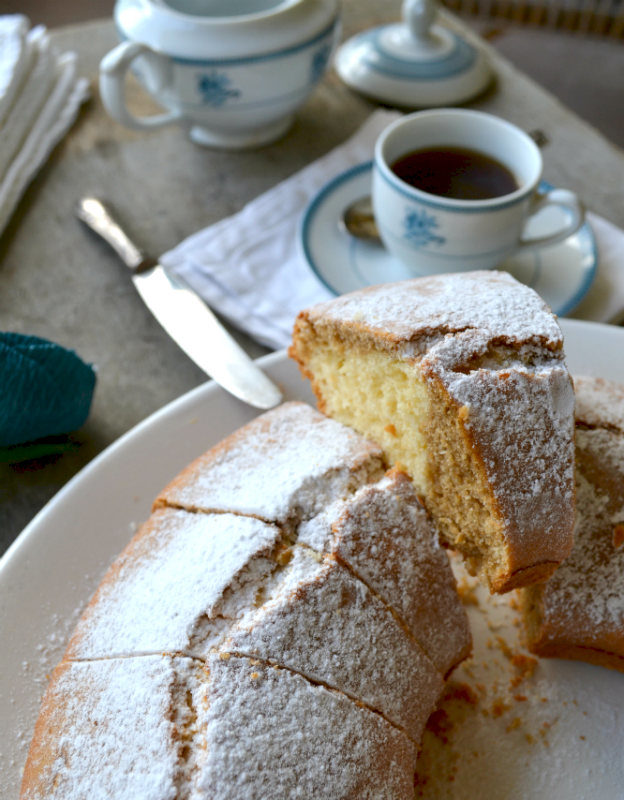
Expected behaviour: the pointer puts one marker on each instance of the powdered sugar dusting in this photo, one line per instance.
(583, 603)
(285, 465)
(316, 622)
(220, 586)
(140, 606)
(490, 301)
(92, 707)
(599, 402)
(301, 741)
(523, 427)
(386, 537)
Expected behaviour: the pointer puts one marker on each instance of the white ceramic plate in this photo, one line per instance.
(49, 573)
(561, 273)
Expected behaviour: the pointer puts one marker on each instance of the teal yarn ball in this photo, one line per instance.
(45, 389)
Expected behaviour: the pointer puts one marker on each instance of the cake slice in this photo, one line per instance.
(112, 729)
(323, 623)
(302, 740)
(385, 537)
(178, 586)
(579, 612)
(282, 467)
(461, 379)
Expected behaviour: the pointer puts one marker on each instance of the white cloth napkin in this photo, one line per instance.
(40, 94)
(250, 269)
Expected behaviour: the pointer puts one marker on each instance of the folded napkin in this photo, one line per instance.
(250, 269)
(40, 94)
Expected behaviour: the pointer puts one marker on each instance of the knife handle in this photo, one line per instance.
(100, 219)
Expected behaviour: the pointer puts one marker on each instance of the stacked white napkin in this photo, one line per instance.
(250, 268)
(40, 94)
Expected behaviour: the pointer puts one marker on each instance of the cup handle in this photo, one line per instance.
(555, 197)
(113, 68)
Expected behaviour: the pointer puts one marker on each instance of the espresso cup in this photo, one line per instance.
(435, 223)
(232, 72)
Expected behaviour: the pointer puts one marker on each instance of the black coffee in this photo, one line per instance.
(455, 172)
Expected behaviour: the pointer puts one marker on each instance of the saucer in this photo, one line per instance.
(561, 273)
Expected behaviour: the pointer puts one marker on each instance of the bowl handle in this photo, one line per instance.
(113, 68)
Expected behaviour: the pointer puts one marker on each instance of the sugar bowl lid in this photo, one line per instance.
(415, 63)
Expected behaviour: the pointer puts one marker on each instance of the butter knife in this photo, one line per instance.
(185, 317)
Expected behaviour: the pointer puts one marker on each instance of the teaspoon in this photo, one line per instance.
(359, 221)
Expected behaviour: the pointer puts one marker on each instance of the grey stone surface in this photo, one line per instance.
(583, 70)
(57, 281)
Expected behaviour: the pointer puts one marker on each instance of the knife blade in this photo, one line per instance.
(185, 317)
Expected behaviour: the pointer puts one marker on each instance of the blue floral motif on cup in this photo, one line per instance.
(214, 88)
(418, 228)
(319, 62)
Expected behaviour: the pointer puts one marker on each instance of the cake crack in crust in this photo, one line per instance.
(581, 425)
(255, 661)
(247, 655)
(579, 612)
(219, 558)
(383, 536)
(462, 380)
(304, 740)
(94, 714)
(334, 610)
(313, 625)
(194, 741)
(281, 468)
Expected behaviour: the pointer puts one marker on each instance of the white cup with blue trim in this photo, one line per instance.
(233, 72)
(454, 190)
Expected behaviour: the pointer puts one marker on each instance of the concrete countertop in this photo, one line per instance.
(60, 283)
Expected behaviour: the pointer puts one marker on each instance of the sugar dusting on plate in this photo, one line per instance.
(516, 725)
(36, 671)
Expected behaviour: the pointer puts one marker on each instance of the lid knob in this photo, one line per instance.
(419, 16)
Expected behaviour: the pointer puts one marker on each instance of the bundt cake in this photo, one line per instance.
(281, 626)
(579, 612)
(461, 379)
